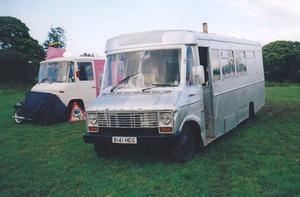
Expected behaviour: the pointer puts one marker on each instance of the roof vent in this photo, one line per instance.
(205, 27)
(140, 38)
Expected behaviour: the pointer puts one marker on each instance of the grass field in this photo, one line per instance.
(256, 159)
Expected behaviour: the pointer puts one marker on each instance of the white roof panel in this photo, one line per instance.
(167, 37)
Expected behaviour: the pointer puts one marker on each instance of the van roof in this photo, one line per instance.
(166, 37)
(63, 59)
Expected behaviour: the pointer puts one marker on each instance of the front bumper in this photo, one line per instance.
(106, 138)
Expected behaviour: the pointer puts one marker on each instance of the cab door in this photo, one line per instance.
(207, 91)
(69, 91)
(193, 88)
(86, 86)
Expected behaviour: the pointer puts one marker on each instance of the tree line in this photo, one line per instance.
(282, 61)
(20, 54)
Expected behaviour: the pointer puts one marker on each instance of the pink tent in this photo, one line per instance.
(54, 52)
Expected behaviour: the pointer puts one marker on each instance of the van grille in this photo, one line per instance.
(128, 119)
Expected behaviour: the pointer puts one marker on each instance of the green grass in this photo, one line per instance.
(256, 159)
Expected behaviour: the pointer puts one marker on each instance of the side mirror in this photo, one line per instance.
(77, 74)
(198, 74)
(100, 79)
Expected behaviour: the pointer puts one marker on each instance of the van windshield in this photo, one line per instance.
(147, 68)
(53, 72)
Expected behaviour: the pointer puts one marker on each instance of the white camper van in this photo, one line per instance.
(179, 88)
(61, 82)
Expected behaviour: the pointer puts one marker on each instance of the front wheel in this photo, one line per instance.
(184, 149)
(17, 116)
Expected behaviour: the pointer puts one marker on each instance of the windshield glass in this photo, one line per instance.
(53, 72)
(147, 68)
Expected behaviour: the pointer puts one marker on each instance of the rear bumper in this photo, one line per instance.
(146, 140)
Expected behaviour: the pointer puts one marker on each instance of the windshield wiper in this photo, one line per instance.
(44, 79)
(154, 85)
(163, 84)
(50, 80)
(123, 81)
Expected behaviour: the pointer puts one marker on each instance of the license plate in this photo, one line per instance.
(124, 140)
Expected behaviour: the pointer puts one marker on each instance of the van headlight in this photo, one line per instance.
(165, 118)
(92, 119)
(166, 122)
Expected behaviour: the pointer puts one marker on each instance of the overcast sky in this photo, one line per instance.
(90, 23)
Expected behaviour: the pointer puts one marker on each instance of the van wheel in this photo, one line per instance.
(103, 150)
(184, 149)
(251, 111)
(18, 113)
(44, 117)
(69, 109)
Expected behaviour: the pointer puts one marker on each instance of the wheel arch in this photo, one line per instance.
(194, 122)
(78, 100)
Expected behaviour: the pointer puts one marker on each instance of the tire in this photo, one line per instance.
(18, 112)
(68, 110)
(184, 149)
(103, 150)
(44, 117)
(251, 112)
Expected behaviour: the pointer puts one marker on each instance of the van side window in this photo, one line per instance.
(227, 64)
(189, 66)
(241, 63)
(215, 64)
(85, 71)
(71, 72)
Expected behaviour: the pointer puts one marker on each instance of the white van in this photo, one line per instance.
(61, 82)
(181, 87)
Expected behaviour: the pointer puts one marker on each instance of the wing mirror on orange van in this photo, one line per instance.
(100, 79)
(198, 74)
(77, 74)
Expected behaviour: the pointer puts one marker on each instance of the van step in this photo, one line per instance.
(210, 139)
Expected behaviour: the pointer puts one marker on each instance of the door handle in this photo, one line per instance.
(192, 94)
(93, 86)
